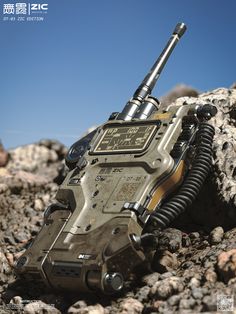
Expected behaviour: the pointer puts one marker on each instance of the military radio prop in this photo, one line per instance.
(128, 179)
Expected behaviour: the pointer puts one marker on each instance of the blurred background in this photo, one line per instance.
(62, 75)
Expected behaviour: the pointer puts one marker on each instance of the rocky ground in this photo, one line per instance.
(196, 259)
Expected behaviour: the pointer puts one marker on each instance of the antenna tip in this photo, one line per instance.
(180, 29)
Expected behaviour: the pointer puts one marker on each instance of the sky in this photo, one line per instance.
(84, 60)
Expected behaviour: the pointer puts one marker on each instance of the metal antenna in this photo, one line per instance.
(147, 85)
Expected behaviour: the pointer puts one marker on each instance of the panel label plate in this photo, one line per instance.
(121, 139)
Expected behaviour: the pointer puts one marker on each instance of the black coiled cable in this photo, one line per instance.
(162, 217)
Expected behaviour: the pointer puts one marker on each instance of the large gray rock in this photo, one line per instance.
(216, 203)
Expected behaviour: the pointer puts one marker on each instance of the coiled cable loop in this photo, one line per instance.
(194, 180)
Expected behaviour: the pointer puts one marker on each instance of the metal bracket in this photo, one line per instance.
(140, 211)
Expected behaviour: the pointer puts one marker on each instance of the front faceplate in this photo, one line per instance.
(96, 231)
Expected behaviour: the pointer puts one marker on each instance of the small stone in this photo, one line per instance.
(18, 204)
(29, 212)
(226, 265)
(194, 236)
(157, 304)
(38, 204)
(4, 172)
(210, 275)
(194, 283)
(216, 235)
(3, 187)
(167, 287)
(79, 308)
(210, 303)
(131, 306)
(174, 300)
(8, 238)
(40, 307)
(187, 303)
(18, 254)
(164, 261)
(142, 294)
(10, 258)
(4, 264)
(187, 265)
(168, 274)
(16, 299)
(4, 156)
(197, 293)
(170, 239)
(186, 242)
(151, 279)
(46, 199)
(20, 237)
(76, 307)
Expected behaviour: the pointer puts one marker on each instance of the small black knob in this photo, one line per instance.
(206, 111)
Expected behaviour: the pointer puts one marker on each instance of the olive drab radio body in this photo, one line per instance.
(128, 179)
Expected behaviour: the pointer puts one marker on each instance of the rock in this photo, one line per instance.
(18, 204)
(157, 305)
(4, 265)
(77, 306)
(10, 259)
(216, 235)
(8, 238)
(167, 287)
(29, 212)
(194, 236)
(197, 293)
(40, 307)
(151, 279)
(21, 237)
(210, 303)
(178, 91)
(187, 303)
(186, 242)
(4, 172)
(142, 294)
(46, 199)
(210, 276)
(3, 187)
(17, 299)
(226, 265)
(31, 157)
(130, 306)
(164, 261)
(170, 239)
(168, 274)
(54, 145)
(91, 309)
(220, 208)
(30, 178)
(38, 204)
(4, 156)
(194, 282)
(174, 300)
